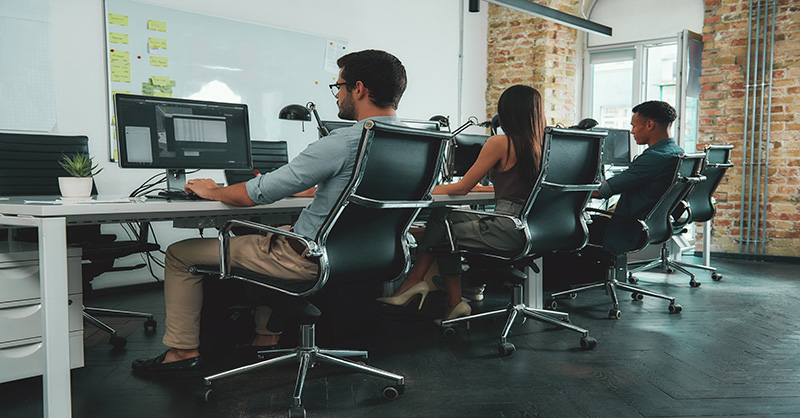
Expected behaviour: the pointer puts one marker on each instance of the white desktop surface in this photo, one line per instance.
(52, 220)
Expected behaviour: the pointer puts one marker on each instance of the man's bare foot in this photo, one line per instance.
(176, 354)
(265, 340)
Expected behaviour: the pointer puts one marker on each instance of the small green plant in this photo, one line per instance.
(79, 165)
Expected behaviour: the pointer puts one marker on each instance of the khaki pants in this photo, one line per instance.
(183, 292)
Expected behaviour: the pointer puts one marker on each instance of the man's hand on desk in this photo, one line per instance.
(306, 193)
(234, 195)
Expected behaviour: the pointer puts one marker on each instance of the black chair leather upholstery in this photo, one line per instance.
(29, 167)
(362, 239)
(698, 207)
(552, 219)
(655, 228)
(267, 156)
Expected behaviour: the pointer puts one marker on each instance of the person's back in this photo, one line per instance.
(648, 177)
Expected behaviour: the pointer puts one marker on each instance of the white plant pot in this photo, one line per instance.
(75, 186)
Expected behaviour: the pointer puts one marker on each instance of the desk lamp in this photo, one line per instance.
(303, 114)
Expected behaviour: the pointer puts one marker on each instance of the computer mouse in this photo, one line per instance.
(193, 196)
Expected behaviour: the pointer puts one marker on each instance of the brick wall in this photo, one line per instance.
(722, 120)
(523, 49)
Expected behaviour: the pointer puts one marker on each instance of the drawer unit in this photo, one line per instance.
(21, 311)
(24, 358)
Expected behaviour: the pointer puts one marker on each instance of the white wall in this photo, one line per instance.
(638, 20)
(423, 34)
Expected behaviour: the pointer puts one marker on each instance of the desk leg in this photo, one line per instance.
(55, 325)
(707, 243)
(534, 296)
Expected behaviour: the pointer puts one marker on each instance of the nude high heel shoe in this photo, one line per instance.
(404, 298)
(462, 309)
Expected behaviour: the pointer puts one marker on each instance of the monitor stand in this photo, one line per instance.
(176, 179)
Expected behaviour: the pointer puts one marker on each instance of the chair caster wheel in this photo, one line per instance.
(297, 412)
(449, 332)
(588, 343)
(573, 295)
(694, 283)
(669, 270)
(150, 325)
(716, 277)
(392, 392)
(117, 342)
(551, 304)
(204, 394)
(673, 308)
(637, 296)
(506, 349)
(614, 313)
(632, 280)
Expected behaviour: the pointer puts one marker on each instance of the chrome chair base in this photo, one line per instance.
(516, 308)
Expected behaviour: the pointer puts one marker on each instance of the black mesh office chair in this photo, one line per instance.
(267, 156)
(362, 239)
(655, 228)
(551, 220)
(30, 168)
(699, 207)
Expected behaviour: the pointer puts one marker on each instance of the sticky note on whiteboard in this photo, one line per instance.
(333, 51)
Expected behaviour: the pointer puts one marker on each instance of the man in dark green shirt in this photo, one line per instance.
(649, 175)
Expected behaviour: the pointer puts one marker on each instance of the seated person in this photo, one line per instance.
(370, 85)
(512, 162)
(648, 176)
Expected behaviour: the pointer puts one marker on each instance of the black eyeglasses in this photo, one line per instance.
(337, 86)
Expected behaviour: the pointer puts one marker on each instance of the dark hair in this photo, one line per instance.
(521, 113)
(659, 112)
(380, 72)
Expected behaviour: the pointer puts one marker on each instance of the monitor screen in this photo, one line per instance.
(176, 134)
(616, 147)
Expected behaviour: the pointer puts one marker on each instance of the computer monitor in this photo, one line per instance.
(616, 147)
(180, 134)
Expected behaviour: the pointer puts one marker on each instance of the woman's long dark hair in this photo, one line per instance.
(521, 113)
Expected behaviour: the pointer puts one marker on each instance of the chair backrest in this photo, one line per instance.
(267, 156)
(29, 162)
(700, 199)
(364, 236)
(336, 124)
(554, 211)
(686, 176)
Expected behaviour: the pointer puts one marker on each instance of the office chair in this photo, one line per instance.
(655, 228)
(267, 156)
(699, 207)
(30, 168)
(362, 239)
(551, 220)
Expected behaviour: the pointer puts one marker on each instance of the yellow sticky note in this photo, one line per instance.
(161, 94)
(159, 61)
(118, 38)
(157, 43)
(115, 19)
(160, 80)
(120, 71)
(156, 25)
(117, 55)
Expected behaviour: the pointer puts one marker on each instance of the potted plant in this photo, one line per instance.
(80, 167)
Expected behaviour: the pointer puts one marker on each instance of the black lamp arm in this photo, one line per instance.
(323, 131)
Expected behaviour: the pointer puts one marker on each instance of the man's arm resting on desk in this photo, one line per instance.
(234, 195)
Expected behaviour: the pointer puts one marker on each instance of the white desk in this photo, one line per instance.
(52, 220)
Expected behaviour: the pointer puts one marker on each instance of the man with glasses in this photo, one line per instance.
(369, 86)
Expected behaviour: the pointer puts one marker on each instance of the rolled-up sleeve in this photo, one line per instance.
(321, 160)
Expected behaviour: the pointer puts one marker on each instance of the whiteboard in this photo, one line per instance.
(159, 51)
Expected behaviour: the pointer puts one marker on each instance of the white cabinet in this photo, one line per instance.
(20, 311)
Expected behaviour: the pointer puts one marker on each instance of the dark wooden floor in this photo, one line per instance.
(732, 352)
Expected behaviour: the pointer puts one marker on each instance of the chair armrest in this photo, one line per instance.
(225, 235)
(571, 187)
(518, 224)
(693, 180)
(642, 225)
(682, 215)
(389, 204)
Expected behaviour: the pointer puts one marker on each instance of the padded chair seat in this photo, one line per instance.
(297, 308)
